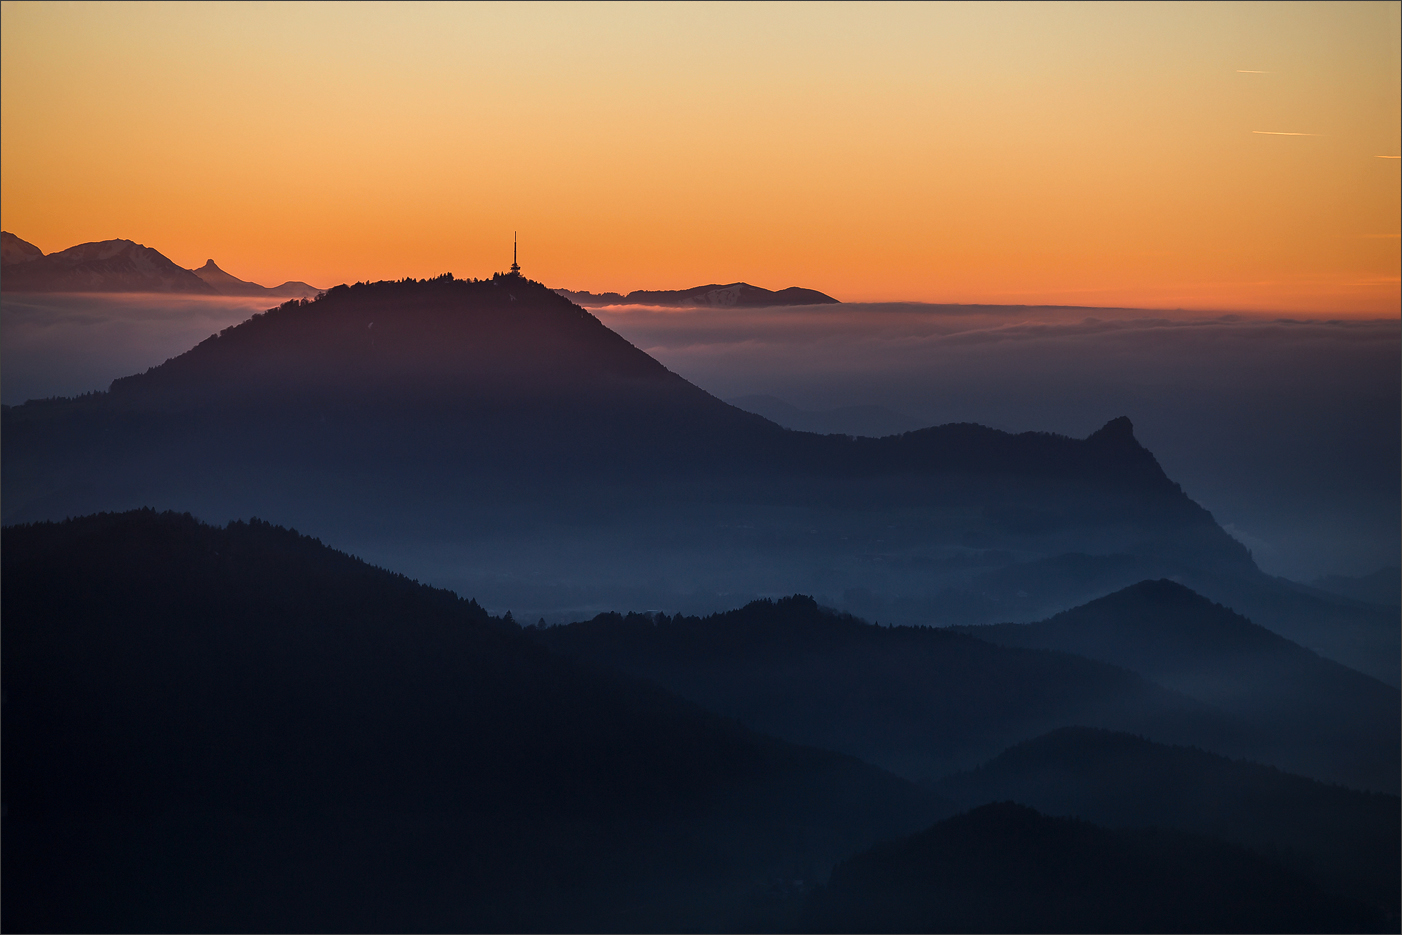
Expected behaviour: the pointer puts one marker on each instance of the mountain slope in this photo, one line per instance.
(102, 266)
(227, 284)
(1306, 710)
(241, 729)
(1346, 841)
(1006, 868)
(918, 701)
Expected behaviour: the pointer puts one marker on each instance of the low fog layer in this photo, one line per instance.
(1285, 429)
(67, 344)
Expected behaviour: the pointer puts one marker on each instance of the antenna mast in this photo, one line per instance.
(515, 268)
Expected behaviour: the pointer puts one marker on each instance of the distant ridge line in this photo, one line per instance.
(713, 295)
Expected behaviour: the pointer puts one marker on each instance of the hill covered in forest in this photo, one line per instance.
(241, 729)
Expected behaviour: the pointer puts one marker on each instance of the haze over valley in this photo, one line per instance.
(701, 468)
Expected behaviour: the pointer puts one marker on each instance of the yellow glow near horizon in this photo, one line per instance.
(1091, 154)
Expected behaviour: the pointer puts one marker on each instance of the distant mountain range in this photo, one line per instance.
(734, 295)
(232, 285)
(121, 266)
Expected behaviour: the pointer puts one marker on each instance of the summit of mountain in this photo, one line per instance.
(100, 266)
(714, 295)
(228, 284)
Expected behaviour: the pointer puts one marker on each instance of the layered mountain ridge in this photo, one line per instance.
(487, 426)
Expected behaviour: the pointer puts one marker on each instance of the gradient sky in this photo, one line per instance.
(1095, 154)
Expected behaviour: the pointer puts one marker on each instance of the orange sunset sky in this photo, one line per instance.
(1213, 156)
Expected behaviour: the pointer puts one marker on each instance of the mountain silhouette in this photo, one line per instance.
(14, 250)
(921, 702)
(232, 285)
(1307, 711)
(242, 729)
(102, 266)
(733, 295)
(1006, 868)
(466, 430)
(1345, 841)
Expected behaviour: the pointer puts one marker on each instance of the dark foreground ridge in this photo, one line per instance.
(240, 729)
(1006, 868)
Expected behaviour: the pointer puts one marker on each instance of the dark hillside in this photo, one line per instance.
(1344, 840)
(1006, 868)
(1313, 715)
(918, 701)
(240, 729)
